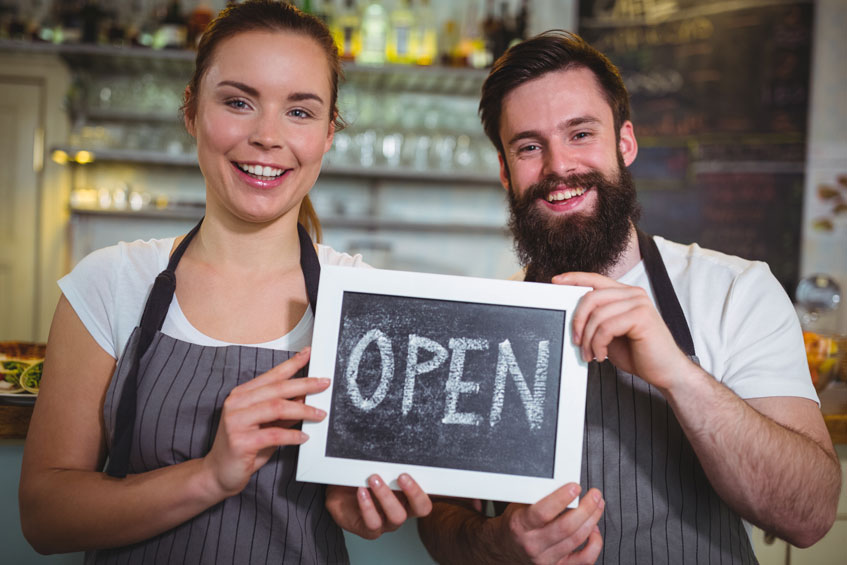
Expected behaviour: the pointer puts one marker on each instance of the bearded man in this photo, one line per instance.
(701, 417)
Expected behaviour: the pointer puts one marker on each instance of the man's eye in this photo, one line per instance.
(528, 148)
(582, 135)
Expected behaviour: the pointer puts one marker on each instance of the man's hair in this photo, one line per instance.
(554, 50)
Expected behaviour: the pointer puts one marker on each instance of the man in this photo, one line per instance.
(720, 428)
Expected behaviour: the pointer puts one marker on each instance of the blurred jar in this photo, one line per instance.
(827, 358)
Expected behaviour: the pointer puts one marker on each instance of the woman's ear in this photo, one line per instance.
(628, 144)
(330, 134)
(189, 110)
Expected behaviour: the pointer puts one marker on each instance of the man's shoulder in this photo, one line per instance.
(694, 260)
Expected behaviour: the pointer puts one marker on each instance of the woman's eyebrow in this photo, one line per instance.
(249, 90)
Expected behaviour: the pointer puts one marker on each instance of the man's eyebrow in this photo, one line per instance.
(249, 90)
(571, 123)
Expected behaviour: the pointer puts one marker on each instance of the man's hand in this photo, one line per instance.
(619, 322)
(371, 512)
(548, 532)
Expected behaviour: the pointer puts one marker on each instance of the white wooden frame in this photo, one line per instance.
(315, 466)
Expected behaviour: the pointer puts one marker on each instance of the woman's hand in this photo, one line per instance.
(371, 512)
(257, 417)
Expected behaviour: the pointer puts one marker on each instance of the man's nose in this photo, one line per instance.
(559, 160)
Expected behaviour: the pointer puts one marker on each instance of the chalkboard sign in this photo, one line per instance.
(472, 386)
(719, 94)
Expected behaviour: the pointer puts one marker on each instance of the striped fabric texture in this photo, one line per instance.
(660, 507)
(275, 519)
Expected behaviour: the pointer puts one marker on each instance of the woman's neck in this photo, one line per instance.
(248, 248)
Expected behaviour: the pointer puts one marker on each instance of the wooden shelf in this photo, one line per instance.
(141, 157)
(103, 59)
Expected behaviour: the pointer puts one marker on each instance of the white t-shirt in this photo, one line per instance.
(109, 287)
(745, 330)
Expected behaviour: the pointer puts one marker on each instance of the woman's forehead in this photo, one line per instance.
(280, 58)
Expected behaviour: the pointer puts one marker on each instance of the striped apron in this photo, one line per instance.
(163, 406)
(660, 506)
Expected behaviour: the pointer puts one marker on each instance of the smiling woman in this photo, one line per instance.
(168, 417)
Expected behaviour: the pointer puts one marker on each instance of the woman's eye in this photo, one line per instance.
(300, 113)
(237, 104)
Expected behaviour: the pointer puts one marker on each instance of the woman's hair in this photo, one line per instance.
(554, 50)
(267, 15)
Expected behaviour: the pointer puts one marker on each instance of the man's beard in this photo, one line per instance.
(548, 245)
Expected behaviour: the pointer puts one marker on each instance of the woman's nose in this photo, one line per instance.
(266, 134)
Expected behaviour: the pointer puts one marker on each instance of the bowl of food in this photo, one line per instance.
(21, 364)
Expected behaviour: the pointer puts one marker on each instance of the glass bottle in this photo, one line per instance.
(402, 44)
(345, 27)
(374, 34)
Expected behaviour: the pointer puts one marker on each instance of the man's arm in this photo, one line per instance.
(545, 532)
(770, 459)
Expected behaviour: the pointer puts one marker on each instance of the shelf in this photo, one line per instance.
(334, 171)
(103, 59)
(135, 156)
(195, 212)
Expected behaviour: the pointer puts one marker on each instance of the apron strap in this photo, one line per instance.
(152, 320)
(310, 265)
(666, 299)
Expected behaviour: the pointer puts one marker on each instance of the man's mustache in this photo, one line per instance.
(551, 182)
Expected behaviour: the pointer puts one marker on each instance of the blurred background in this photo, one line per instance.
(740, 109)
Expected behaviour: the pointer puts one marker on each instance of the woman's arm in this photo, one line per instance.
(67, 504)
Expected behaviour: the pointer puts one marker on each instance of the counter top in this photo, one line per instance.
(834, 407)
(14, 420)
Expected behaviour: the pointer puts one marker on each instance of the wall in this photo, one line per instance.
(826, 251)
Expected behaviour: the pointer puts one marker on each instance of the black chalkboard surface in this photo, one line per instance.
(472, 386)
(447, 384)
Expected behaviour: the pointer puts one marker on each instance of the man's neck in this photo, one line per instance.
(630, 257)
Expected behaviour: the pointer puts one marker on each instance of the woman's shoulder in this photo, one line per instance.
(329, 256)
(143, 256)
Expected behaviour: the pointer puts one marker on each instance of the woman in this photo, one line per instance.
(197, 430)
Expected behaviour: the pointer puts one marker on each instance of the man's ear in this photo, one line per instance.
(628, 144)
(504, 171)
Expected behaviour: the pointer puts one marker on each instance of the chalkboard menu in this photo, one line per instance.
(719, 95)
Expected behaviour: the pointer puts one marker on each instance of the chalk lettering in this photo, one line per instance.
(456, 386)
(413, 368)
(386, 355)
(533, 403)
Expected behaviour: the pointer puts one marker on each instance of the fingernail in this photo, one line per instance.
(304, 351)
(319, 413)
(404, 479)
(575, 490)
(323, 381)
(597, 497)
(375, 481)
(303, 437)
(363, 493)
